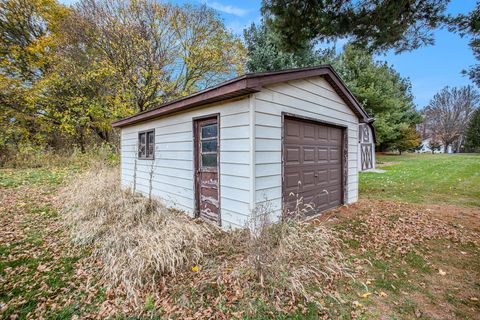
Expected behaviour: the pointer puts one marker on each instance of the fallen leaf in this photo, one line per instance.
(418, 313)
(366, 294)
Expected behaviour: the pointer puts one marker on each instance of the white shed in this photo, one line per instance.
(263, 139)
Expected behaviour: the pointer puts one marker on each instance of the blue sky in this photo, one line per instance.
(429, 68)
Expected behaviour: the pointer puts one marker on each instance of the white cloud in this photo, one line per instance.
(226, 8)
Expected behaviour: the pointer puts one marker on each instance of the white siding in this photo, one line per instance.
(313, 98)
(173, 167)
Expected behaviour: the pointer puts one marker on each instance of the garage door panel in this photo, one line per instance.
(323, 176)
(322, 134)
(308, 155)
(292, 130)
(308, 179)
(312, 165)
(335, 155)
(322, 155)
(335, 135)
(292, 180)
(334, 176)
(292, 155)
(334, 196)
(309, 132)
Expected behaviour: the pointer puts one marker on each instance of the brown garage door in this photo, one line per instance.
(312, 156)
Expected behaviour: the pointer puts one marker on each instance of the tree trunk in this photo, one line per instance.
(81, 139)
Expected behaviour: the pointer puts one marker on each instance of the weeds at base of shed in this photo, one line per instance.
(158, 260)
(300, 269)
(138, 239)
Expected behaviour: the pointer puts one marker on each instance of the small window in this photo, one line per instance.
(209, 145)
(146, 144)
(209, 131)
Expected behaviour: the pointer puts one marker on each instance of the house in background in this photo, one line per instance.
(366, 147)
(426, 147)
(259, 139)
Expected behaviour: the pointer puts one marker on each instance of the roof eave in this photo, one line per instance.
(249, 83)
(226, 91)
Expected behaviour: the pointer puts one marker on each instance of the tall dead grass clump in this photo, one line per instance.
(138, 239)
(296, 258)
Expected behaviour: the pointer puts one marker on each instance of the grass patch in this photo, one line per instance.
(20, 177)
(426, 178)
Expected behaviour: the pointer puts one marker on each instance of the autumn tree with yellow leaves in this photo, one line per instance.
(66, 73)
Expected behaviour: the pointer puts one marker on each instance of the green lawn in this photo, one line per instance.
(426, 178)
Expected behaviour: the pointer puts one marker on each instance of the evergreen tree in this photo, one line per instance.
(265, 53)
(376, 25)
(382, 91)
(472, 135)
(469, 25)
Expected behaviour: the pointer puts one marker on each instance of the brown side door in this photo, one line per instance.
(313, 166)
(207, 169)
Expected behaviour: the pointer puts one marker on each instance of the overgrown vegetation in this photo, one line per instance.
(144, 247)
(28, 156)
(138, 239)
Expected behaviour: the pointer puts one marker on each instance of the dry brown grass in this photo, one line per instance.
(292, 257)
(148, 250)
(138, 240)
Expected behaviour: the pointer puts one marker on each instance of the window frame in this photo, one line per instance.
(144, 156)
(209, 139)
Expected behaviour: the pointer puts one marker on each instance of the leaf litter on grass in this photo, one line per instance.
(413, 257)
(388, 227)
(41, 273)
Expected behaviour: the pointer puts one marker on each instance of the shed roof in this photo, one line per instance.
(246, 84)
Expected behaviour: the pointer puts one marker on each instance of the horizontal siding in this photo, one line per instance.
(173, 167)
(313, 98)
